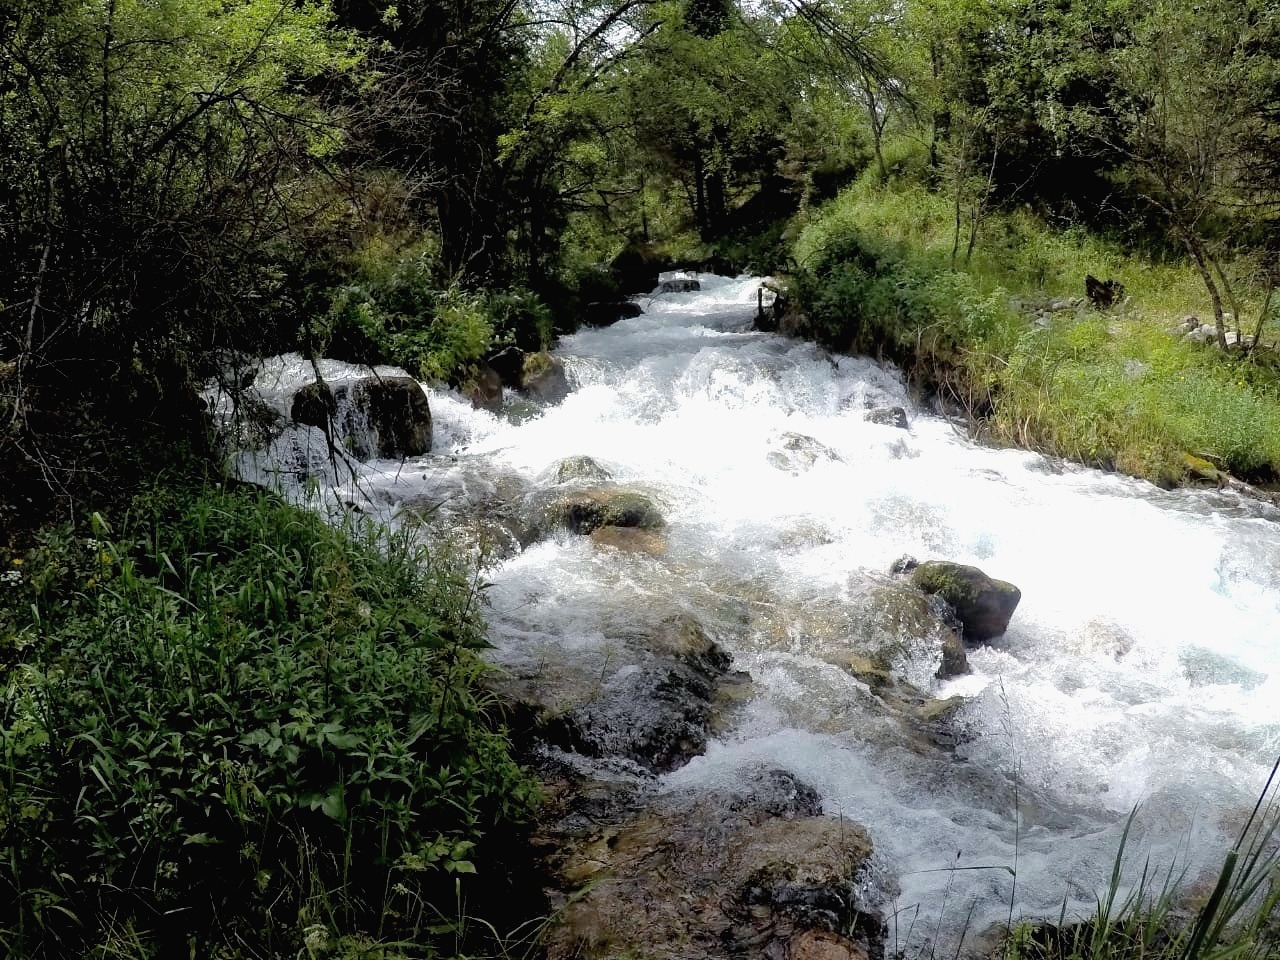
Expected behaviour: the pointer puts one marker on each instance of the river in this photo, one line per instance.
(1141, 668)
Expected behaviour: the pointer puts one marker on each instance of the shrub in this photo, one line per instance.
(233, 725)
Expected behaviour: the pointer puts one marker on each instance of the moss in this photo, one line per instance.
(586, 510)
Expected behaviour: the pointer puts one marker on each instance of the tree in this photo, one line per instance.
(1195, 117)
(151, 152)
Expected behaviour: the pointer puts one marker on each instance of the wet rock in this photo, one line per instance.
(386, 417)
(904, 564)
(542, 377)
(887, 633)
(636, 268)
(253, 425)
(484, 390)
(1203, 667)
(1101, 636)
(983, 605)
(645, 700)
(583, 511)
(776, 793)
(630, 540)
(822, 945)
(680, 285)
(654, 711)
(483, 512)
(799, 453)
(888, 416)
(606, 313)
(657, 717)
(714, 880)
(793, 323)
(902, 622)
(584, 469)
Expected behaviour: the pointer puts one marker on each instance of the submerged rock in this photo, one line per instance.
(387, 417)
(888, 416)
(983, 605)
(680, 285)
(583, 469)
(647, 699)
(729, 874)
(630, 540)
(582, 511)
(799, 453)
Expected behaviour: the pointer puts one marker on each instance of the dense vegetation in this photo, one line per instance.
(228, 729)
(224, 723)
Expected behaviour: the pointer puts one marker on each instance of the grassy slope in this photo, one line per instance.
(1111, 389)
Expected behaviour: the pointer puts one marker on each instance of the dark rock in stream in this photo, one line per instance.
(680, 285)
(888, 417)
(983, 605)
(543, 378)
(485, 389)
(582, 511)
(657, 713)
(607, 313)
(386, 417)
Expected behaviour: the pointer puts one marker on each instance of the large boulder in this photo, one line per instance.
(386, 417)
(583, 511)
(605, 313)
(542, 377)
(484, 390)
(982, 604)
(636, 268)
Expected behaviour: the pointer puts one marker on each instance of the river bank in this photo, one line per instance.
(781, 505)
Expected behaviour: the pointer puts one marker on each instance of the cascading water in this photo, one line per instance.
(1142, 666)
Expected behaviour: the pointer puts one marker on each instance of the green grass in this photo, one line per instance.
(1150, 920)
(228, 728)
(1114, 389)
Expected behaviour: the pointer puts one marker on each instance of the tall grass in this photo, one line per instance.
(227, 729)
(1116, 389)
(1238, 919)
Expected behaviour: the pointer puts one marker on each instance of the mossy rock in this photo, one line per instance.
(983, 605)
(1200, 469)
(580, 469)
(583, 511)
(543, 377)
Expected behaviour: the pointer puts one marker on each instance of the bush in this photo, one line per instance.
(1113, 390)
(398, 310)
(231, 729)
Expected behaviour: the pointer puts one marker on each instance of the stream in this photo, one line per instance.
(1142, 667)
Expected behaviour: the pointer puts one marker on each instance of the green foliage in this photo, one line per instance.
(398, 311)
(228, 724)
(1117, 391)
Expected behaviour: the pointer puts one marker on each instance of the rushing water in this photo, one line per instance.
(1142, 667)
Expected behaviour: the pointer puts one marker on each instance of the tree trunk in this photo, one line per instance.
(1202, 262)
